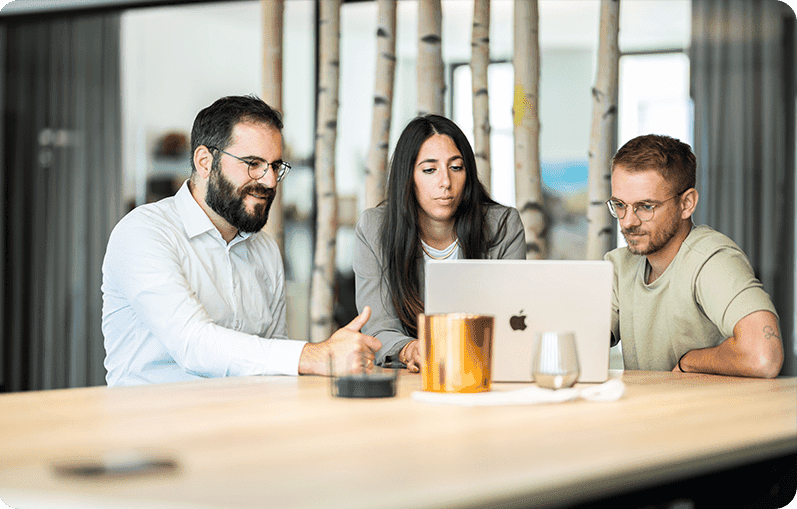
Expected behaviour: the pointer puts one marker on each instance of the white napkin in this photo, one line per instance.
(607, 391)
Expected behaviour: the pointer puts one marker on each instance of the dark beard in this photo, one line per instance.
(228, 202)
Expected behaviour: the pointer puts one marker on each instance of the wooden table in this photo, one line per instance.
(286, 442)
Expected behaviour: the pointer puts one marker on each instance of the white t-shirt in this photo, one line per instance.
(179, 303)
(451, 252)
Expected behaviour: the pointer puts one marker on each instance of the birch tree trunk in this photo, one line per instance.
(528, 182)
(479, 62)
(323, 280)
(376, 168)
(431, 85)
(272, 95)
(604, 118)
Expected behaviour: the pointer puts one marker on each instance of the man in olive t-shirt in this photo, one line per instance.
(685, 298)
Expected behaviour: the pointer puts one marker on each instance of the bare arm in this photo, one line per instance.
(754, 350)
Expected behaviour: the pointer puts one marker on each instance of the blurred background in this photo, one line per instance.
(100, 95)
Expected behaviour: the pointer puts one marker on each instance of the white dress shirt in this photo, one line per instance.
(180, 303)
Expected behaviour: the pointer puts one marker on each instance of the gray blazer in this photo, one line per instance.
(371, 287)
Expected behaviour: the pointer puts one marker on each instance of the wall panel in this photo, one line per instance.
(61, 138)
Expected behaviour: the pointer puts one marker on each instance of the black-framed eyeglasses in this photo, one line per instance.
(643, 210)
(258, 167)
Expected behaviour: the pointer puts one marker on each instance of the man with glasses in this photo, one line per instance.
(685, 297)
(191, 285)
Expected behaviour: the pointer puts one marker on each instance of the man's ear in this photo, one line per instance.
(689, 203)
(203, 161)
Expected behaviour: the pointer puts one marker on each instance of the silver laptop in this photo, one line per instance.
(527, 296)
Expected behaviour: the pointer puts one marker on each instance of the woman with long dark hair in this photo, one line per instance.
(436, 208)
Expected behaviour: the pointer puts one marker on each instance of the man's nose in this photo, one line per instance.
(269, 179)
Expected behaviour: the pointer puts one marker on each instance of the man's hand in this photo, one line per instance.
(348, 347)
(411, 356)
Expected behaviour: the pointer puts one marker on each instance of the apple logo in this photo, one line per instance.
(518, 322)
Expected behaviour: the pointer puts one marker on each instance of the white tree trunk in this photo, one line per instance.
(528, 183)
(272, 95)
(376, 168)
(601, 141)
(431, 85)
(480, 60)
(323, 279)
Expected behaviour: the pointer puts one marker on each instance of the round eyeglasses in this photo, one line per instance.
(258, 167)
(643, 210)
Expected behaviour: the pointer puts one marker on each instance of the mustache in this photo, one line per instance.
(260, 190)
(636, 230)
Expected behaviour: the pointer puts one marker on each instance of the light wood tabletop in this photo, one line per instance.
(287, 442)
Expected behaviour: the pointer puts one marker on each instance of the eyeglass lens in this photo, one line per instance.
(259, 168)
(644, 211)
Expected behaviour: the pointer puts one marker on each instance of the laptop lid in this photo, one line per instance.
(525, 297)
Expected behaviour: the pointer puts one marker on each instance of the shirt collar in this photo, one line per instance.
(195, 220)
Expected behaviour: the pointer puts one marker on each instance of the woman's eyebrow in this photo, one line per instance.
(431, 160)
(428, 160)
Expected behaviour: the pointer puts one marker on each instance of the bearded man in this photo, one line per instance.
(192, 287)
(685, 297)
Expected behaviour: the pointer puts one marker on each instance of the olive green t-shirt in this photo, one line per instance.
(707, 288)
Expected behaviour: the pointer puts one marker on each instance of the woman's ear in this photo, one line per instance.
(689, 203)
(203, 161)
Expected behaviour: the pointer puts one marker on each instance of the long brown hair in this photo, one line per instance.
(400, 240)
